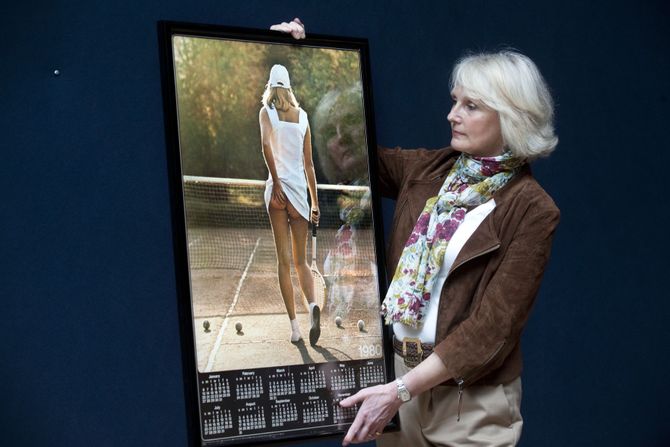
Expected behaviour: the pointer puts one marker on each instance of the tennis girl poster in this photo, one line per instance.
(277, 229)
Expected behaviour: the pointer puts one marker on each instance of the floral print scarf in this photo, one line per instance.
(471, 182)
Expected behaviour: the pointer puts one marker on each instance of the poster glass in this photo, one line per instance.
(251, 257)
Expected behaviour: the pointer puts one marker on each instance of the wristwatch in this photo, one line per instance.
(403, 392)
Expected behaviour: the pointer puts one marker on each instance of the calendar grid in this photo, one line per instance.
(243, 405)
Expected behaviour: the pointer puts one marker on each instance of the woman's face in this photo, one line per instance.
(475, 128)
(344, 149)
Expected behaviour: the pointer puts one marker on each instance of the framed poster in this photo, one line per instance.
(266, 137)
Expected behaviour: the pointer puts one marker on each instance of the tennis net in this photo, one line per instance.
(227, 220)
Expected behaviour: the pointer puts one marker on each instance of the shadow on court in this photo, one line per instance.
(325, 353)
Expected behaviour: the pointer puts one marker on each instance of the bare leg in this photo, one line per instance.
(280, 231)
(299, 227)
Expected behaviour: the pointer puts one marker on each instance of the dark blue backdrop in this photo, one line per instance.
(89, 346)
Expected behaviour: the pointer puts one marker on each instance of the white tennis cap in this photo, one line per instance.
(279, 77)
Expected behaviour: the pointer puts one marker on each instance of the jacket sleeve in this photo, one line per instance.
(391, 172)
(481, 342)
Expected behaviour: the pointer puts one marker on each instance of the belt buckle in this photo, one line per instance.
(414, 358)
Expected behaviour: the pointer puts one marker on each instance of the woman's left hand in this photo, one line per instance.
(377, 405)
(295, 27)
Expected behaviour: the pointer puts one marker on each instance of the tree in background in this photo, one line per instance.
(219, 87)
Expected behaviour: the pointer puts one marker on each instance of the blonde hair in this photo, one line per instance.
(511, 84)
(279, 98)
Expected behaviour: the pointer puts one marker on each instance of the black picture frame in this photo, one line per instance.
(235, 397)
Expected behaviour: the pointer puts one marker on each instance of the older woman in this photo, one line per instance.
(471, 237)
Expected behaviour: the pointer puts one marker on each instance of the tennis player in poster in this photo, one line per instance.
(287, 149)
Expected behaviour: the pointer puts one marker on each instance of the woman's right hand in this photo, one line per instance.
(278, 196)
(316, 214)
(295, 27)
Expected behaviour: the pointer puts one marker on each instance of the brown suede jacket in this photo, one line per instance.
(494, 280)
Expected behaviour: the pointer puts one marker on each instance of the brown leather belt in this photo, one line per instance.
(412, 350)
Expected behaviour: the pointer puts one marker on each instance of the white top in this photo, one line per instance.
(472, 220)
(287, 143)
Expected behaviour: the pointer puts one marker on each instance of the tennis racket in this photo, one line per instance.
(319, 282)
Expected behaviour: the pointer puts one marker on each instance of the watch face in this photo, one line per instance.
(403, 393)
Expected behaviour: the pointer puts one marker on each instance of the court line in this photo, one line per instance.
(219, 336)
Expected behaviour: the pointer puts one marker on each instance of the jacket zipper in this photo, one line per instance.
(460, 398)
(476, 255)
(461, 381)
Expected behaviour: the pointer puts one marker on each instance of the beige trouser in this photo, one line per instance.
(490, 416)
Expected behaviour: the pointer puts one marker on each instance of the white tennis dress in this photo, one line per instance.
(287, 142)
